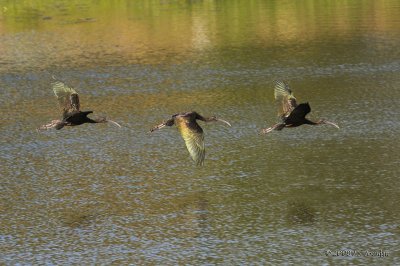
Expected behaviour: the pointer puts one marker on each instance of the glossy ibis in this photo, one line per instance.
(191, 132)
(290, 113)
(68, 100)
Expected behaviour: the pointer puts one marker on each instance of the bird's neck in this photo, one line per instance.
(196, 116)
(309, 122)
(92, 121)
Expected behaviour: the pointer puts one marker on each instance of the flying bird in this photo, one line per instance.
(68, 100)
(191, 132)
(291, 113)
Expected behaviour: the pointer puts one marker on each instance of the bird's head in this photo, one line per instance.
(105, 120)
(214, 118)
(100, 119)
(326, 122)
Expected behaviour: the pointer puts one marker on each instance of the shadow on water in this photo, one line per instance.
(300, 213)
(78, 219)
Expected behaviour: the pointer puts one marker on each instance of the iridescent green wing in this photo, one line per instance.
(67, 97)
(284, 95)
(193, 135)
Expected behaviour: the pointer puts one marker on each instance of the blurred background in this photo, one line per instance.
(97, 194)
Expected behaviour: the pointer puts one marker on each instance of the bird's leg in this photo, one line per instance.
(168, 123)
(278, 126)
(57, 124)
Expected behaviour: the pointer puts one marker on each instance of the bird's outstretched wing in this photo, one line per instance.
(193, 135)
(67, 97)
(284, 94)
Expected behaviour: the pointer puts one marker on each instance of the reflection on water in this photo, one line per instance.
(81, 34)
(97, 194)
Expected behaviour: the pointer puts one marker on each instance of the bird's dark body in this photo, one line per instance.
(188, 115)
(79, 118)
(297, 116)
(188, 120)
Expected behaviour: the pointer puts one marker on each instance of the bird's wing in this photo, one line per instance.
(299, 112)
(285, 96)
(67, 97)
(193, 135)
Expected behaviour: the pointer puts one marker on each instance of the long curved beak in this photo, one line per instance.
(113, 122)
(332, 124)
(223, 121)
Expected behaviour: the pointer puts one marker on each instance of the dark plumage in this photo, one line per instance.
(68, 100)
(291, 114)
(191, 132)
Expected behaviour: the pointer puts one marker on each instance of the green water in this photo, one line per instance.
(97, 194)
